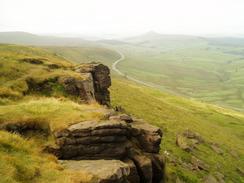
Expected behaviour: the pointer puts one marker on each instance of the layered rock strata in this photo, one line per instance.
(135, 143)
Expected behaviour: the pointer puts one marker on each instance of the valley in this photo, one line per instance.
(192, 93)
(188, 66)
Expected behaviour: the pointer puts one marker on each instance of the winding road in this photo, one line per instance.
(114, 67)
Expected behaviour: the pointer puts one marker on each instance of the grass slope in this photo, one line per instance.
(23, 161)
(86, 54)
(49, 112)
(15, 68)
(176, 114)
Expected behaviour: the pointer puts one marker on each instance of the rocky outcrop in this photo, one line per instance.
(101, 80)
(188, 140)
(116, 149)
(89, 85)
(134, 143)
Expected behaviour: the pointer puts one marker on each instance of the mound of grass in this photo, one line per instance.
(49, 112)
(18, 52)
(22, 161)
(20, 64)
(176, 114)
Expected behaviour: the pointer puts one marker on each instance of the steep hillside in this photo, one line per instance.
(210, 137)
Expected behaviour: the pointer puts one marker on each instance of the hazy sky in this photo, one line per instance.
(123, 16)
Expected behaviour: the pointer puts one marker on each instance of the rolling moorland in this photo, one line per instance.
(209, 69)
(214, 146)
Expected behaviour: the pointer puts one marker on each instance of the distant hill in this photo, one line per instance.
(32, 39)
(227, 41)
(111, 41)
(155, 40)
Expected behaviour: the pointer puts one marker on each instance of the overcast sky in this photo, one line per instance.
(123, 16)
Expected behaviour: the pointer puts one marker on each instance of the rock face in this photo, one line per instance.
(101, 80)
(135, 144)
(82, 88)
(117, 149)
(188, 140)
(91, 84)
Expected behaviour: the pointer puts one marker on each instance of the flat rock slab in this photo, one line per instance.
(99, 171)
(90, 128)
(94, 125)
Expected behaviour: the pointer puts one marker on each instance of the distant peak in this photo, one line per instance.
(152, 33)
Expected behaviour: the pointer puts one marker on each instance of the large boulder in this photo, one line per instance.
(188, 140)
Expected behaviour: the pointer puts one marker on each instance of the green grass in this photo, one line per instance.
(49, 112)
(174, 115)
(86, 54)
(15, 72)
(22, 161)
